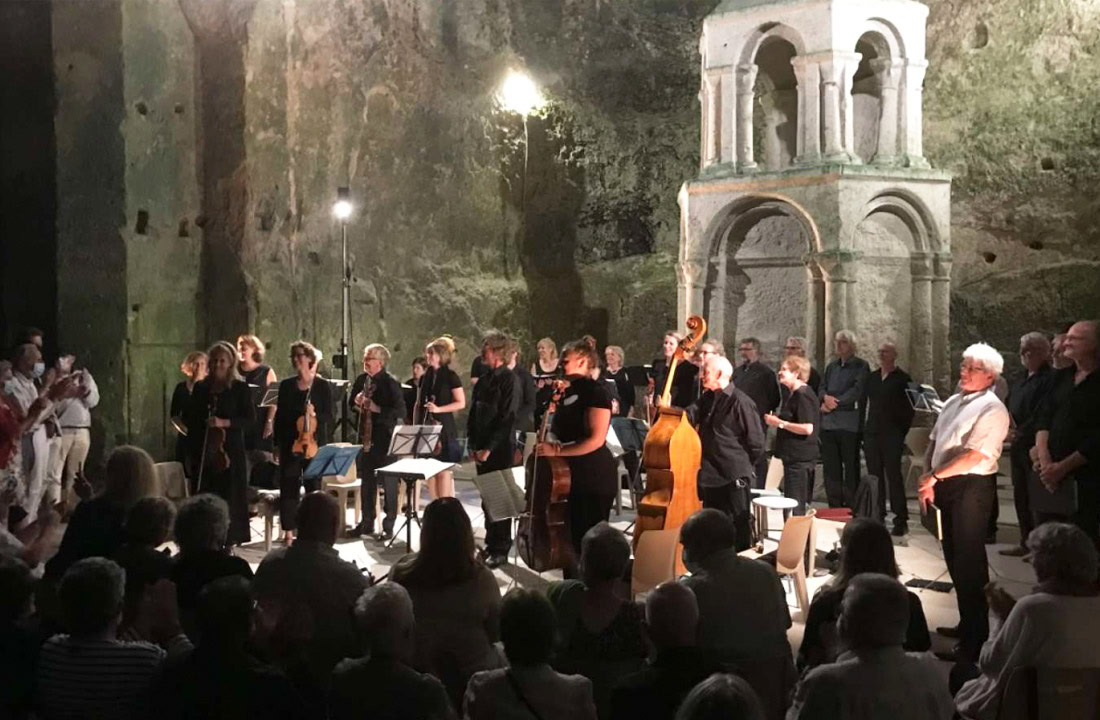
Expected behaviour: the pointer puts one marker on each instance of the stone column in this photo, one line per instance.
(746, 83)
(839, 276)
(912, 125)
(941, 322)
(837, 71)
(808, 73)
(691, 283)
(921, 347)
(888, 73)
(712, 114)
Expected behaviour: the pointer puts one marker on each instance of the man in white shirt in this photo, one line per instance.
(962, 456)
(75, 418)
(27, 366)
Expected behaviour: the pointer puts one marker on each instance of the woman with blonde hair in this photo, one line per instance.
(442, 396)
(193, 368)
(254, 372)
(221, 410)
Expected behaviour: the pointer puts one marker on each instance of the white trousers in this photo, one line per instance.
(67, 454)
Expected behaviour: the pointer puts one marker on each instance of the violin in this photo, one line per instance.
(214, 455)
(366, 424)
(543, 536)
(306, 442)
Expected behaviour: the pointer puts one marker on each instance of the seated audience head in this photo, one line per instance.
(980, 368)
(384, 616)
(605, 553)
(16, 590)
(874, 612)
(225, 611)
(91, 596)
(1064, 559)
(202, 524)
(528, 627)
(446, 548)
(319, 518)
(131, 476)
(704, 533)
(672, 616)
(150, 521)
(721, 697)
(865, 547)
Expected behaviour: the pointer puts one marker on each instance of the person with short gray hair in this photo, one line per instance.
(874, 678)
(842, 399)
(800, 346)
(889, 414)
(963, 449)
(761, 384)
(382, 683)
(1055, 626)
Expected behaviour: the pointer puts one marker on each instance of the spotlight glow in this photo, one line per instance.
(342, 209)
(519, 94)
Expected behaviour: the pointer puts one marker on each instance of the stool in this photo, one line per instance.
(267, 504)
(342, 489)
(761, 505)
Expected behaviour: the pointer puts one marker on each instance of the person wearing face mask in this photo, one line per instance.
(70, 450)
(27, 366)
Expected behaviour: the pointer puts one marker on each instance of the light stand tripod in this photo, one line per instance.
(342, 210)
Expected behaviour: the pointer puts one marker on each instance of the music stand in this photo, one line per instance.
(631, 433)
(924, 398)
(503, 501)
(340, 389)
(412, 443)
(332, 460)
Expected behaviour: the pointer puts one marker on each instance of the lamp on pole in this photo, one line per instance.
(341, 210)
(519, 94)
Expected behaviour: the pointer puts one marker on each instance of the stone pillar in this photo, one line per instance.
(837, 71)
(727, 110)
(815, 295)
(809, 110)
(912, 92)
(888, 73)
(921, 344)
(746, 83)
(941, 322)
(839, 276)
(691, 282)
(712, 117)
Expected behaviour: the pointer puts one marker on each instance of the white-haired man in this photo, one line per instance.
(963, 450)
(733, 440)
(841, 405)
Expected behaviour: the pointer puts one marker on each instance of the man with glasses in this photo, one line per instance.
(761, 384)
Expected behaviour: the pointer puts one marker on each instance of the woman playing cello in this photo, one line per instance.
(580, 426)
(218, 415)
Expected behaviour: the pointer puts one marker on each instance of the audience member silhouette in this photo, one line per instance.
(721, 697)
(672, 621)
(456, 600)
(18, 640)
(148, 526)
(865, 546)
(382, 684)
(601, 633)
(874, 677)
(529, 687)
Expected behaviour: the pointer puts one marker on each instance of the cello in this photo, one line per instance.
(542, 538)
(671, 455)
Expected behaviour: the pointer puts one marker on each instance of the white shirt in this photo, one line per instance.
(24, 391)
(971, 421)
(75, 412)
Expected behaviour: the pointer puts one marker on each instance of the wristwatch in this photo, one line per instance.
(782, 424)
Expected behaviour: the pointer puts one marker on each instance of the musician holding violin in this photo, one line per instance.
(302, 423)
(377, 400)
(580, 425)
(441, 397)
(217, 416)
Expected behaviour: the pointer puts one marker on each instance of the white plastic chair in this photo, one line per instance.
(654, 560)
(772, 480)
(791, 555)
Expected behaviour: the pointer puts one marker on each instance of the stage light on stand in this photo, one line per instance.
(341, 209)
(519, 94)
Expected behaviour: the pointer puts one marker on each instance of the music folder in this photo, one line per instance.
(932, 520)
(501, 494)
(332, 460)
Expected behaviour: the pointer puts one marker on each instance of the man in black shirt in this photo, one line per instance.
(759, 382)
(889, 415)
(385, 402)
(525, 392)
(490, 430)
(1067, 440)
(1025, 397)
(733, 440)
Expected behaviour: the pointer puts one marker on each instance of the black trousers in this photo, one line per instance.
(883, 452)
(365, 465)
(840, 458)
(966, 502)
(1021, 466)
(733, 499)
(290, 489)
(1087, 516)
(586, 510)
(498, 533)
(798, 483)
(761, 469)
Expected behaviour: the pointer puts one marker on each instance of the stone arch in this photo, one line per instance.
(761, 276)
(874, 91)
(775, 104)
(911, 210)
(769, 31)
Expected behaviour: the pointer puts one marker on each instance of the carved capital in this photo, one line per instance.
(921, 266)
(837, 265)
(692, 272)
(942, 271)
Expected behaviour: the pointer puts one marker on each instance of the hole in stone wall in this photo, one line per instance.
(142, 108)
(178, 109)
(142, 224)
(989, 257)
(136, 307)
(1047, 163)
(980, 38)
(185, 228)
(201, 221)
(1036, 245)
(314, 258)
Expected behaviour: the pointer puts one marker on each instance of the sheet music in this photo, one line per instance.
(502, 496)
(418, 467)
(415, 439)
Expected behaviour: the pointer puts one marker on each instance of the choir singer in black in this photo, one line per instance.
(383, 399)
(733, 441)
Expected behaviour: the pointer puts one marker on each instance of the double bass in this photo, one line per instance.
(671, 454)
(543, 539)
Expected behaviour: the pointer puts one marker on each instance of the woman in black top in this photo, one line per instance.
(293, 394)
(257, 374)
(616, 373)
(442, 394)
(410, 387)
(544, 371)
(194, 369)
(580, 426)
(798, 425)
(223, 401)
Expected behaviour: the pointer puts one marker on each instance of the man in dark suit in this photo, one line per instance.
(760, 383)
(889, 416)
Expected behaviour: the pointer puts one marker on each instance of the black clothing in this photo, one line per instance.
(1071, 414)
(798, 483)
(95, 530)
(819, 642)
(192, 571)
(800, 407)
(19, 647)
(735, 500)
(656, 692)
(438, 386)
(387, 395)
(966, 502)
(408, 389)
(815, 381)
(760, 383)
(385, 689)
(526, 399)
(478, 369)
(732, 435)
(886, 403)
(291, 406)
(181, 398)
(1024, 401)
(235, 405)
(593, 473)
(491, 427)
(624, 387)
(253, 439)
(544, 389)
(840, 463)
(213, 683)
(685, 386)
(889, 417)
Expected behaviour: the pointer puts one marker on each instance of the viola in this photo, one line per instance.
(672, 454)
(543, 536)
(305, 444)
(214, 456)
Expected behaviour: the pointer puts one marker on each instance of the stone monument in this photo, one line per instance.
(814, 209)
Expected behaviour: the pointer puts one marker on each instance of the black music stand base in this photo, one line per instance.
(411, 516)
